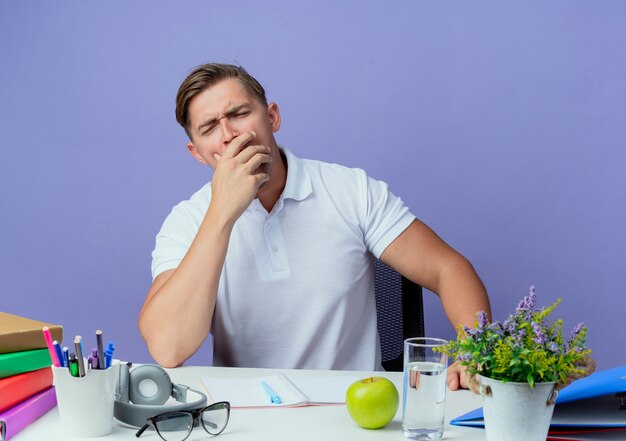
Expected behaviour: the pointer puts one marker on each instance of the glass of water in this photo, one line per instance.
(424, 391)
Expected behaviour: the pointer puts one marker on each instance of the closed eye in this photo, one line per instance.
(208, 129)
(240, 113)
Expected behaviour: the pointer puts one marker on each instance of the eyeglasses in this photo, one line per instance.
(177, 426)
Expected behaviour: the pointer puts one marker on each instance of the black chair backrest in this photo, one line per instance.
(400, 314)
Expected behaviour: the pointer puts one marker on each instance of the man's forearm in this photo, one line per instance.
(462, 293)
(176, 317)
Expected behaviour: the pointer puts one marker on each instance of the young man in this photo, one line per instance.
(275, 256)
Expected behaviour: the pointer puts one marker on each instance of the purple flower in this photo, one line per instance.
(553, 347)
(472, 333)
(527, 305)
(482, 319)
(519, 338)
(509, 325)
(496, 328)
(539, 338)
(574, 341)
(576, 330)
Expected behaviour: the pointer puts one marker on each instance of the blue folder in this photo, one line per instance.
(592, 403)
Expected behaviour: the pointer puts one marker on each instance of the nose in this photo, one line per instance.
(228, 131)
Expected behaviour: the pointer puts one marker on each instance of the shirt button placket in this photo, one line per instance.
(270, 243)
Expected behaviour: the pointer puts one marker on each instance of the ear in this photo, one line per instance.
(274, 114)
(196, 153)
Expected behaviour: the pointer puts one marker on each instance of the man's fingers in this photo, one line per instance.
(237, 144)
(257, 161)
(457, 376)
(261, 178)
(465, 379)
(453, 378)
(251, 151)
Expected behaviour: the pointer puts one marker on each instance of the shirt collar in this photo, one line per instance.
(298, 185)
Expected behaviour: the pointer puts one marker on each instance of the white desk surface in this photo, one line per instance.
(324, 423)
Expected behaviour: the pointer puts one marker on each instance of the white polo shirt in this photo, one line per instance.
(297, 287)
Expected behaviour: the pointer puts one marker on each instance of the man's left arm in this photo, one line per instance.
(423, 257)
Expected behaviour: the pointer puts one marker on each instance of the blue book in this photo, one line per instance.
(589, 402)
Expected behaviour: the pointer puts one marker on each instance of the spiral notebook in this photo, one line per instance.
(294, 391)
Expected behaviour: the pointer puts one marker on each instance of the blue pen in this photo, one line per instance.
(108, 354)
(273, 396)
(59, 351)
(66, 356)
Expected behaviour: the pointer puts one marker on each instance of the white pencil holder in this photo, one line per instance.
(86, 403)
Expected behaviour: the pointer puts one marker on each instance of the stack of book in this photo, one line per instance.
(26, 390)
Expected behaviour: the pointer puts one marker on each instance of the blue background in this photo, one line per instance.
(501, 124)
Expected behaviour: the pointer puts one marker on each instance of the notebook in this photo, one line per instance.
(23, 334)
(17, 388)
(13, 420)
(294, 391)
(588, 435)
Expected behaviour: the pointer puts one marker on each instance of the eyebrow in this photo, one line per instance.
(230, 112)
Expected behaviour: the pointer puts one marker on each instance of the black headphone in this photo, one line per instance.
(134, 406)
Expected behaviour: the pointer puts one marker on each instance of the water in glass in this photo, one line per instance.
(424, 400)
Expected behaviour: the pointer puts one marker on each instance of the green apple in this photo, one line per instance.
(372, 402)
